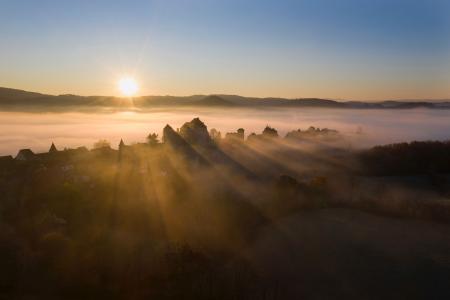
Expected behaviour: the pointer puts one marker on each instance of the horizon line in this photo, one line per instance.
(236, 95)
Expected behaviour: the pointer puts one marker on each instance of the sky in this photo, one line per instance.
(339, 49)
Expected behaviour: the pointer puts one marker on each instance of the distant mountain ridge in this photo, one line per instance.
(14, 99)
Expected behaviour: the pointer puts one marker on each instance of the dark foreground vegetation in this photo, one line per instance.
(198, 215)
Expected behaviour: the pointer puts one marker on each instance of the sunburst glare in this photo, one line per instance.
(128, 86)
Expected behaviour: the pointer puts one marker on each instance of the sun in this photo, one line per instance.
(128, 86)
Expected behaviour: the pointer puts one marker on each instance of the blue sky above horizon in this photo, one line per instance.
(352, 49)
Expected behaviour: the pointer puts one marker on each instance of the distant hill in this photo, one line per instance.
(149, 101)
(19, 100)
(11, 94)
(212, 100)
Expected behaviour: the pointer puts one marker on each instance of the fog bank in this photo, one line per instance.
(363, 128)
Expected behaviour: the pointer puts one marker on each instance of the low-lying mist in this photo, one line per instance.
(193, 214)
(362, 128)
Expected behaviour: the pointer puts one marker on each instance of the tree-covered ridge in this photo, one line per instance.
(18, 100)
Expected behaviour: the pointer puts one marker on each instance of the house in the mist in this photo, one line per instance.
(51, 155)
(121, 145)
(25, 155)
(130, 149)
(76, 153)
(62, 156)
(313, 133)
(125, 151)
(104, 152)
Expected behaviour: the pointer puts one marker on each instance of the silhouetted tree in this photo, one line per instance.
(252, 136)
(270, 132)
(102, 144)
(238, 135)
(152, 139)
(313, 132)
(241, 132)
